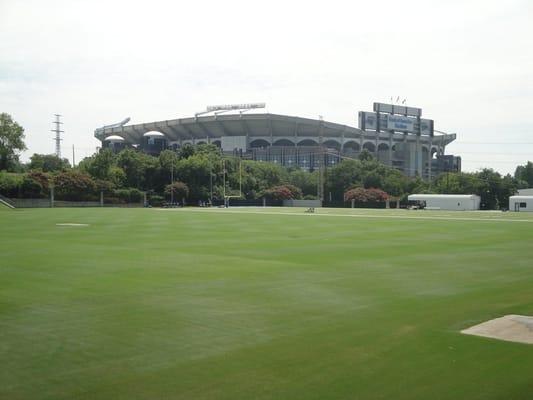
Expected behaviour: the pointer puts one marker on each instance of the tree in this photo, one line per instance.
(493, 189)
(525, 173)
(99, 165)
(117, 176)
(186, 151)
(140, 169)
(179, 189)
(11, 141)
(168, 160)
(194, 171)
(306, 181)
(372, 180)
(365, 155)
(343, 176)
(48, 163)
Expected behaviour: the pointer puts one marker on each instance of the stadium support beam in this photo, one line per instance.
(343, 131)
(391, 135)
(188, 131)
(246, 131)
(138, 133)
(270, 132)
(221, 126)
(430, 158)
(175, 132)
(204, 129)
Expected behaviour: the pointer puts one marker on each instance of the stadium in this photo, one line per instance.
(396, 135)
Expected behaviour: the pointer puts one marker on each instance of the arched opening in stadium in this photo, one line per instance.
(351, 147)
(383, 152)
(332, 144)
(284, 142)
(259, 143)
(307, 142)
(371, 147)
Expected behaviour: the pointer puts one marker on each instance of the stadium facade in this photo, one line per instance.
(396, 135)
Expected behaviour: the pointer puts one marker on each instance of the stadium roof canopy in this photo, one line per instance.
(240, 122)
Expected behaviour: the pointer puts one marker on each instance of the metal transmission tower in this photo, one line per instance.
(58, 132)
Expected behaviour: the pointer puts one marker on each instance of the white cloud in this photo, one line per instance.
(466, 63)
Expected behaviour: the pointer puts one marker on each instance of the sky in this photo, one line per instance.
(468, 64)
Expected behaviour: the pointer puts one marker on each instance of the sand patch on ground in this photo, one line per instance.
(512, 328)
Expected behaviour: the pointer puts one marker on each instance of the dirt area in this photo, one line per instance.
(512, 328)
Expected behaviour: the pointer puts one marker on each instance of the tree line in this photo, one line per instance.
(202, 172)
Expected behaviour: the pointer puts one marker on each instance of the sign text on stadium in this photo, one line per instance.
(236, 106)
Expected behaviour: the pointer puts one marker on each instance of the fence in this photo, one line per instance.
(51, 202)
(302, 203)
(250, 203)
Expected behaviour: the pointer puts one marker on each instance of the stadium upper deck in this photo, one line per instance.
(251, 132)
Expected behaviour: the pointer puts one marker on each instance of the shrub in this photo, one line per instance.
(130, 195)
(283, 192)
(74, 185)
(10, 184)
(104, 186)
(136, 195)
(43, 179)
(30, 188)
(180, 189)
(362, 195)
(156, 201)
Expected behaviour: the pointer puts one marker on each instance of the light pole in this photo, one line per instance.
(211, 185)
(172, 179)
(224, 181)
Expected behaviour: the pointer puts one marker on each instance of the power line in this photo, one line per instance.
(495, 143)
(493, 152)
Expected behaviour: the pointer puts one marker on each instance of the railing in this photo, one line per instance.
(7, 202)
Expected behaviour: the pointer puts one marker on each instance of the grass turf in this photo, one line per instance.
(151, 304)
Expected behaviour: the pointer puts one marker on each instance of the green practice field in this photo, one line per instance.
(261, 304)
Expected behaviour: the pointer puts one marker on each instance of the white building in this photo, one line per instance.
(521, 203)
(453, 202)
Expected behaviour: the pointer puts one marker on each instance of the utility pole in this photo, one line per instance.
(240, 177)
(73, 157)
(321, 160)
(211, 185)
(224, 181)
(172, 184)
(58, 132)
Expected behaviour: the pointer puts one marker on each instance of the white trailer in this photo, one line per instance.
(521, 203)
(452, 202)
